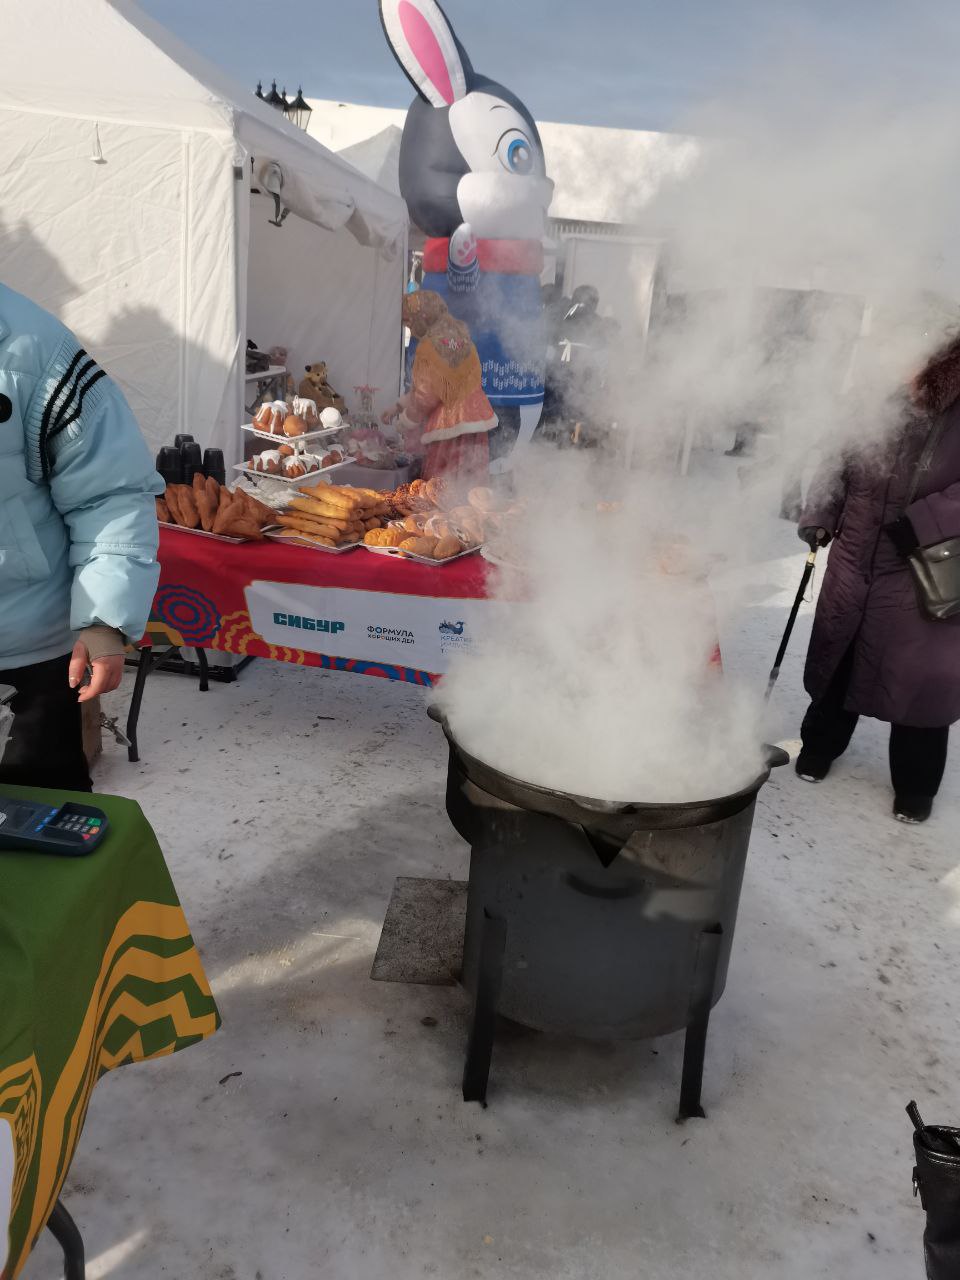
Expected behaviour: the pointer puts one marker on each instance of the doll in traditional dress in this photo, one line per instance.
(446, 399)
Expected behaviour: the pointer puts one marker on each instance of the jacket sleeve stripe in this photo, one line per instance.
(51, 403)
(63, 423)
(78, 390)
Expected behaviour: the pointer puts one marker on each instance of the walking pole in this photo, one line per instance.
(791, 622)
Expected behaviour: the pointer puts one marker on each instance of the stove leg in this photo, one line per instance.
(64, 1230)
(476, 1071)
(698, 1021)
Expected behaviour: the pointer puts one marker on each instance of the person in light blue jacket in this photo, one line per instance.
(78, 540)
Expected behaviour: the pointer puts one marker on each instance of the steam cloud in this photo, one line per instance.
(810, 265)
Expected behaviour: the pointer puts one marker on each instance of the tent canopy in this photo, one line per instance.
(111, 62)
(126, 163)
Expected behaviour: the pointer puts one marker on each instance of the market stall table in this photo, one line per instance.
(97, 969)
(356, 611)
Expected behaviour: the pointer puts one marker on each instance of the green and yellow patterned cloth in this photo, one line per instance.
(97, 969)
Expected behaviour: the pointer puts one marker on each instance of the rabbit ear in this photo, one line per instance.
(426, 48)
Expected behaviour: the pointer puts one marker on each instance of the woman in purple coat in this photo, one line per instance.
(873, 651)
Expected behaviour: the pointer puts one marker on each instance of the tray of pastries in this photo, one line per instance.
(208, 509)
(299, 422)
(330, 517)
(291, 468)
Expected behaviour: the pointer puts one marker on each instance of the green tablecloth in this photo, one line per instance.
(97, 969)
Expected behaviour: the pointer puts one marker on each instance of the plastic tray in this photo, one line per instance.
(308, 437)
(202, 533)
(294, 482)
(276, 533)
(396, 554)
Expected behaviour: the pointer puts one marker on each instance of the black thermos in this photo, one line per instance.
(213, 465)
(170, 465)
(192, 461)
(180, 441)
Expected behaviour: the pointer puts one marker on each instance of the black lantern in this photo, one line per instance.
(259, 90)
(284, 102)
(273, 98)
(300, 111)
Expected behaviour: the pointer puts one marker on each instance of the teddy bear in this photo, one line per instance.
(315, 387)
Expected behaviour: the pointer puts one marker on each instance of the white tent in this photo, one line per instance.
(126, 164)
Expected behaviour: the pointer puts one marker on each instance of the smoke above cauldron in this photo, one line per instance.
(810, 267)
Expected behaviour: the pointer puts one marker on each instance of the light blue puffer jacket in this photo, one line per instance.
(78, 526)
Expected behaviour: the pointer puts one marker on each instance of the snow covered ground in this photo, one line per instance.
(322, 1133)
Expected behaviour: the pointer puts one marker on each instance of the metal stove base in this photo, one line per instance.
(483, 1025)
(421, 944)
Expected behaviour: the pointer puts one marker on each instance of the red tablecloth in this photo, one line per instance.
(353, 612)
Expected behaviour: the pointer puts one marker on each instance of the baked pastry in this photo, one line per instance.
(256, 509)
(183, 506)
(207, 496)
(468, 524)
(333, 496)
(419, 546)
(446, 548)
(438, 526)
(306, 524)
(294, 425)
(286, 451)
(332, 458)
(163, 511)
(311, 506)
(484, 500)
(330, 418)
(270, 462)
(307, 410)
(300, 464)
(271, 417)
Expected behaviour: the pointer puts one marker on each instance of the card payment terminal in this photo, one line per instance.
(69, 829)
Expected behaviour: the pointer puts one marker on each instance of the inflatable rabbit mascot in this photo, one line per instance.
(473, 175)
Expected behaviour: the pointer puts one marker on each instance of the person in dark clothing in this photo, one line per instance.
(873, 651)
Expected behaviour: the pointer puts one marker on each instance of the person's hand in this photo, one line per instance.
(813, 536)
(106, 673)
(389, 417)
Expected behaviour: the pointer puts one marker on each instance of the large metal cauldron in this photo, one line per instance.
(602, 920)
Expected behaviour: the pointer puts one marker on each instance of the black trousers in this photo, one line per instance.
(46, 746)
(918, 757)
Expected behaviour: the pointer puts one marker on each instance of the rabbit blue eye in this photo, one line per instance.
(516, 152)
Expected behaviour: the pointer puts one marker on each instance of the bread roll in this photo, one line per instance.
(335, 496)
(446, 548)
(313, 507)
(419, 546)
(294, 426)
(483, 499)
(163, 511)
(305, 524)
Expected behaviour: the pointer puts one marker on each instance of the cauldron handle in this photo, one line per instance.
(609, 892)
(777, 757)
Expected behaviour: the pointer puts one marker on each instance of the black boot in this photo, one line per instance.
(912, 809)
(936, 1179)
(811, 767)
